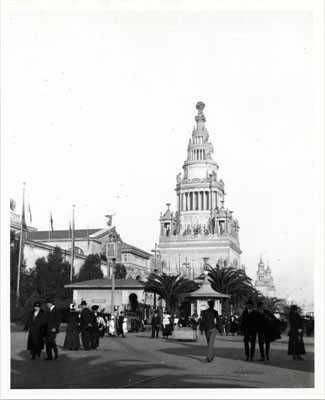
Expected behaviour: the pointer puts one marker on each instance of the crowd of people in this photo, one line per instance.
(86, 326)
(257, 323)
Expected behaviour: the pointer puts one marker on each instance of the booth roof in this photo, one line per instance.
(205, 291)
(107, 284)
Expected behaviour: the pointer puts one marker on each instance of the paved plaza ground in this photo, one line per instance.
(138, 361)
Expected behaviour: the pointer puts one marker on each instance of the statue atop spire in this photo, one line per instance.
(200, 116)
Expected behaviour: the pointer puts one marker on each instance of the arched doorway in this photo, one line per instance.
(133, 299)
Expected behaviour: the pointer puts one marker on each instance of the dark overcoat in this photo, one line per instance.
(249, 322)
(296, 343)
(72, 340)
(269, 325)
(85, 319)
(36, 326)
(53, 320)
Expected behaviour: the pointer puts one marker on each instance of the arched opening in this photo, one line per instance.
(133, 298)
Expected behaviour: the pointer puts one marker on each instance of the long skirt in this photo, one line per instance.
(167, 330)
(71, 340)
(296, 345)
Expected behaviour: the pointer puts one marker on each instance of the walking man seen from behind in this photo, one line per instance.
(155, 324)
(210, 320)
(53, 320)
(267, 330)
(85, 325)
(249, 327)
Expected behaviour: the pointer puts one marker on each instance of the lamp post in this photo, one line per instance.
(113, 286)
(155, 295)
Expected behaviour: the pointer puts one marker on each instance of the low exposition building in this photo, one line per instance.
(201, 227)
(128, 294)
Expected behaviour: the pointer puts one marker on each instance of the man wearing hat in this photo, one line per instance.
(53, 320)
(249, 327)
(94, 331)
(155, 325)
(85, 325)
(210, 319)
(36, 325)
(266, 330)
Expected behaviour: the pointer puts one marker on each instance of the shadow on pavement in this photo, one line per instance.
(279, 358)
(87, 372)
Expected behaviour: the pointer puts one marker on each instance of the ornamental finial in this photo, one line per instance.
(200, 116)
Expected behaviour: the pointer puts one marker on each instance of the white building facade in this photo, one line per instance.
(201, 227)
(264, 280)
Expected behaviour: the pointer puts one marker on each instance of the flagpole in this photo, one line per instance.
(50, 226)
(72, 244)
(20, 245)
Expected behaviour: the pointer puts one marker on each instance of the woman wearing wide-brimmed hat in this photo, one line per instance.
(36, 323)
(296, 346)
(72, 341)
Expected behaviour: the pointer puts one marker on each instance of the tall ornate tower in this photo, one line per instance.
(201, 227)
(264, 280)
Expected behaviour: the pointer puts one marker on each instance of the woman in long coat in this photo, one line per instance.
(36, 323)
(296, 346)
(72, 341)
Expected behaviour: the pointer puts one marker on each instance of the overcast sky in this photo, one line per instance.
(99, 108)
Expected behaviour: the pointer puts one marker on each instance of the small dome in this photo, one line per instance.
(222, 213)
(168, 215)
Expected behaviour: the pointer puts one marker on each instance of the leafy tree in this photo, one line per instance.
(273, 304)
(287, 308)
(25, 281)
(91, 269)
(170, 288)
(229, 280)
(50, 276)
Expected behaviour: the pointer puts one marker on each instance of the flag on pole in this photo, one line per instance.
(51, 221)
(30, 213)
(23, 219)
(23, 227)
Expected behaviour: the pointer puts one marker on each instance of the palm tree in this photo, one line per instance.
(229, 280)
(169, 288)
(273, 304)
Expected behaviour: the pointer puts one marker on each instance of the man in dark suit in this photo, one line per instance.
(94, 331)
(210, 320)
(249, 327)
(120, 324)
(53, 320)
(85, 325)
(266, 325)
(155, 324)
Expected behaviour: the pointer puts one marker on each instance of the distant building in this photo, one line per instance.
(201, 227)
(86, 241)
(264, 280)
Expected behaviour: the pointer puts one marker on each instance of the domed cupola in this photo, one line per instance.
(167, 223)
